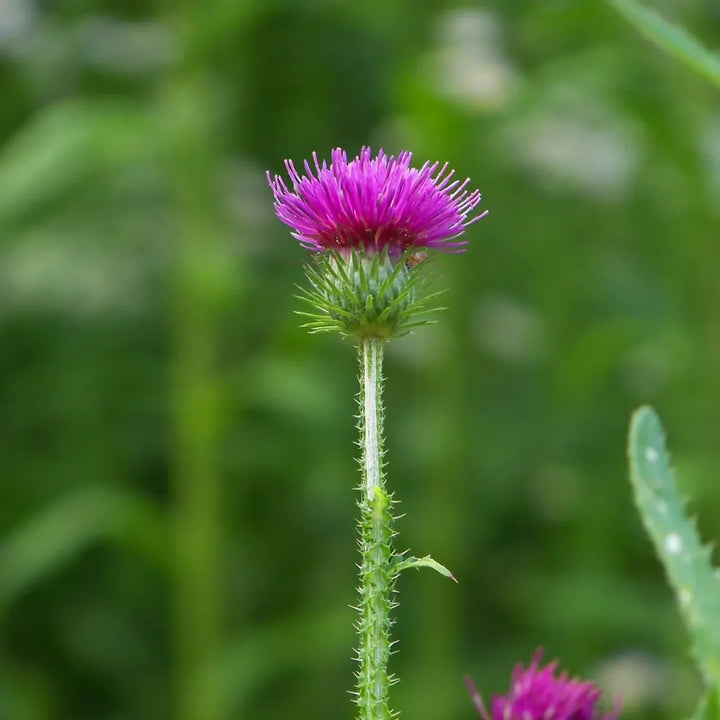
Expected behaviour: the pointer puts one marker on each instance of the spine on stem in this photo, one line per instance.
(377, 575)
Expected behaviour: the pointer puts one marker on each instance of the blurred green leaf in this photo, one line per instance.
(64, 146)
(305, 641)
(54, 537)
(671, 38)
(709, 707)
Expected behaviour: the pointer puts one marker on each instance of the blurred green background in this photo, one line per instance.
(177, 478)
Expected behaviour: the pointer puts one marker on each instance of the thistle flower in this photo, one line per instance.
(374, 204)
(536, 694)
(368, 221)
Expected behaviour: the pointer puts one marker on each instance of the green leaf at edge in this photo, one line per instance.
(671, 38)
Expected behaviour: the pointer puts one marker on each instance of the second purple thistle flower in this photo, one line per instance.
(374, 204)
(537, 693)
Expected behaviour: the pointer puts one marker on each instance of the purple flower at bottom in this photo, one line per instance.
(374, 203)
(536, 694)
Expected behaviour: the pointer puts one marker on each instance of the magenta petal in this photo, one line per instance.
(537, 694)
(374, 203)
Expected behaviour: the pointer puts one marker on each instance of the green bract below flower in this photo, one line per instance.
(369, 222)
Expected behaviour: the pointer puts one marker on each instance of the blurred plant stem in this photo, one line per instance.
(377, 575)
(196, 291)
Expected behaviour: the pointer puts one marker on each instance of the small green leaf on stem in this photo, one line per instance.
(427, 561)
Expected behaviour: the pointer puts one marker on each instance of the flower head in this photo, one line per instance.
(536, 694)
(374, 204)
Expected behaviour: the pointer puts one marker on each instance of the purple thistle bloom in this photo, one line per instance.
(374, 203)
(536, 694)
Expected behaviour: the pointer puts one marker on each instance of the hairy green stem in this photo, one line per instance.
(377, 575)
(371, 429)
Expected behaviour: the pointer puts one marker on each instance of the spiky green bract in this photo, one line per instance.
(687, 562)
(378, 560)
(366, 294)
